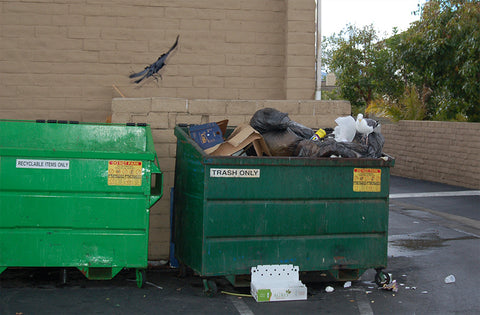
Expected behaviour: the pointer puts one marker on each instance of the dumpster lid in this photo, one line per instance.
(30, 138)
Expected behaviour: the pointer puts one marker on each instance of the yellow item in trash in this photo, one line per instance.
(318, 135)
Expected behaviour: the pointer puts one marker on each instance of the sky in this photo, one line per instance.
(384, 14)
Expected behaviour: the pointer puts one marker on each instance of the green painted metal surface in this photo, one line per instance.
(322, 214)
(76, 195)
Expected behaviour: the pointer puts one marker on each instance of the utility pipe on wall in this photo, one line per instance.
(318, 65)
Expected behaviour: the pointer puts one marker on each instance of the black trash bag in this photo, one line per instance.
(327, 148)
(282, 142)
(270, 119)
(281, 134)
(370, 146)
(300, 130)
(373, 144)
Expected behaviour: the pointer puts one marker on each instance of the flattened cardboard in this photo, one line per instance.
(206, 135)
(241, 137)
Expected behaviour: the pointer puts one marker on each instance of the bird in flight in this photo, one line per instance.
(152, 70)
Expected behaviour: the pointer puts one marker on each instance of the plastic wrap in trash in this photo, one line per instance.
(346, 129)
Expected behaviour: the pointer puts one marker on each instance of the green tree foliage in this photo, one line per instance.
(436, 60)
(440, 55)
(362, 65)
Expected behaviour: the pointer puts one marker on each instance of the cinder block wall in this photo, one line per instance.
(164, 113)
(445, 152)
(67, 59)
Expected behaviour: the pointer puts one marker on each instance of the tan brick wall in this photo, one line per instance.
(164, 113)
(60, 59)
(300, 54)
(445, 152)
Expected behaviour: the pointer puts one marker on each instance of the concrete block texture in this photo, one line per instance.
(163, 113)
(446, 152)
(227, 50)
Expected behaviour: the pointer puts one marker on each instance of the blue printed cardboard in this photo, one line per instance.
(206, 135)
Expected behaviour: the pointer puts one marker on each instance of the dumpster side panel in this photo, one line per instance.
(188, 211)
(294, 218)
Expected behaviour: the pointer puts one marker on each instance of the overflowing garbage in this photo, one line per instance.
(272, 132)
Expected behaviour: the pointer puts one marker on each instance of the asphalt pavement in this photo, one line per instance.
(434, 233)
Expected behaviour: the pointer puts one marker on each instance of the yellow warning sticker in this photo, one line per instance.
(124, 173)
(367, 179)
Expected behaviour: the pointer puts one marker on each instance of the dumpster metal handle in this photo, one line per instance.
(156, 190)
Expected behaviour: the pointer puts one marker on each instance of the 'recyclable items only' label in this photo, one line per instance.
(43, 164)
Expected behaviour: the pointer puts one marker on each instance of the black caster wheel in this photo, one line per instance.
(382, 278)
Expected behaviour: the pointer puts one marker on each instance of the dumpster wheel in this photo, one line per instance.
(141, 277)
(210, 287)
(381, 277)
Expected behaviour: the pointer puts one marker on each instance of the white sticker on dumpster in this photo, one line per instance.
(43, 164)
(235, 172)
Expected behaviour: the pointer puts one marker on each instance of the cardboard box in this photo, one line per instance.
(276, 283)
(240, 138)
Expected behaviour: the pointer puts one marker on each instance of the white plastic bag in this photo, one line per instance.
(346, 129)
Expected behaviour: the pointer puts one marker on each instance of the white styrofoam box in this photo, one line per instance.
(277, 283)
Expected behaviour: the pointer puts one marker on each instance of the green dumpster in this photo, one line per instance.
(328, 215)
(76, 195)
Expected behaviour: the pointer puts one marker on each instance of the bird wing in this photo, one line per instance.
(371, 122)
(140, 80)
(363, 127)
(138, 74)
(174, 45)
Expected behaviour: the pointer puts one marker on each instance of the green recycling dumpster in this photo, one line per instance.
(77, 195)
(327, 215)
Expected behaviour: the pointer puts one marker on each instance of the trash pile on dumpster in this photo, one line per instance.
(273, 133)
